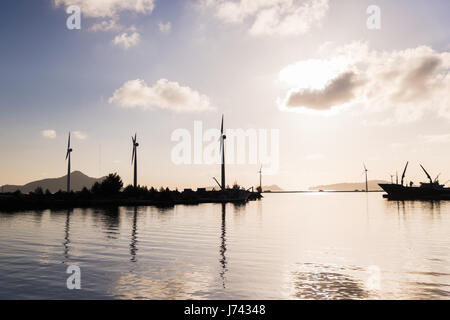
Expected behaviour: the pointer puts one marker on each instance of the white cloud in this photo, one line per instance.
(80, 135)
(49, 134)
(126, 41)
(109, 8)
(270, 17)
(165, 27)
(163, 95)
(106, 25)
(435, 139)
(404, 84)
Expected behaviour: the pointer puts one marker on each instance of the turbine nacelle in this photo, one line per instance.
(135, 145)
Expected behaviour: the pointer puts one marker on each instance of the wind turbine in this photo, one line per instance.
(222, 150)
(69, 151)
(365, 171)
(134, 157)
(260, 179)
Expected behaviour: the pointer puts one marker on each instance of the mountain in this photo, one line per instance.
(348, 186)
(78, 181)
(273, 187)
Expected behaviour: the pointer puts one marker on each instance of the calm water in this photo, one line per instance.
(287, 246)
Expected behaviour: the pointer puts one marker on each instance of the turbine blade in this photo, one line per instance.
(221, 127)
(133, 155)
(68, 142)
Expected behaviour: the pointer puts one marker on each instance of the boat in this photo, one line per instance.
(431, 190)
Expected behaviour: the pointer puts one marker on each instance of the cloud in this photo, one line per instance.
(49, 134)
(109, 8)
(270, 17)
(106, 25)
(80, 135)
(404, 84)
(338, 91)
(126, 41)
(163, 95)
(435, 139)
(165, 27)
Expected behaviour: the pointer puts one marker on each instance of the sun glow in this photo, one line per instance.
(311, 74)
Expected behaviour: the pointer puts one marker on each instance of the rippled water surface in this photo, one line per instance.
(287, 246)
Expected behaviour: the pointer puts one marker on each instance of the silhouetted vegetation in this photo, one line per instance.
(111, 192)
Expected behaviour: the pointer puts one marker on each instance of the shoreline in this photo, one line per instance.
(9, 202)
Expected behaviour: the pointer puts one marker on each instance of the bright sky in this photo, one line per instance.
(339, 93)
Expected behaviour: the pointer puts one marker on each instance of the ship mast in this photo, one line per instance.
(404, 172)
(429, 177)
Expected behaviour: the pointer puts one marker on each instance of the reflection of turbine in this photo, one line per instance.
(223, 247)
(133, 243)
(66, 242)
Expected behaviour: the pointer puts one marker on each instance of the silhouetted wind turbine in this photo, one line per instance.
(134, 158)
(367, 183)
(222, 149)
(69, 151)
(260, 179)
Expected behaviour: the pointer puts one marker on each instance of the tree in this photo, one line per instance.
(111, 185)
(38, 191)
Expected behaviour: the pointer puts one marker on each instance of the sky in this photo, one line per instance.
(338, 91)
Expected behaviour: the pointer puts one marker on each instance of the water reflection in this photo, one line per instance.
(404, 207)
(111, 221)
(66, 242)
(326, 282)
(133, 243)
(223, 247)
(173, 253)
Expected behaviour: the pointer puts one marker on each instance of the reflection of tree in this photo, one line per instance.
(133, 243)
(223, 248)
(111, 220)
(66, 242)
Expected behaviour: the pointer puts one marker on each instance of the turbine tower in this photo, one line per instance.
(260, 179)
(367, 183)
(222, 149)
(134, 158)
(69, 151)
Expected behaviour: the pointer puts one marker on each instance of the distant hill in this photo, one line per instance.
(78, 181)
(348, 186)
(273, 187)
